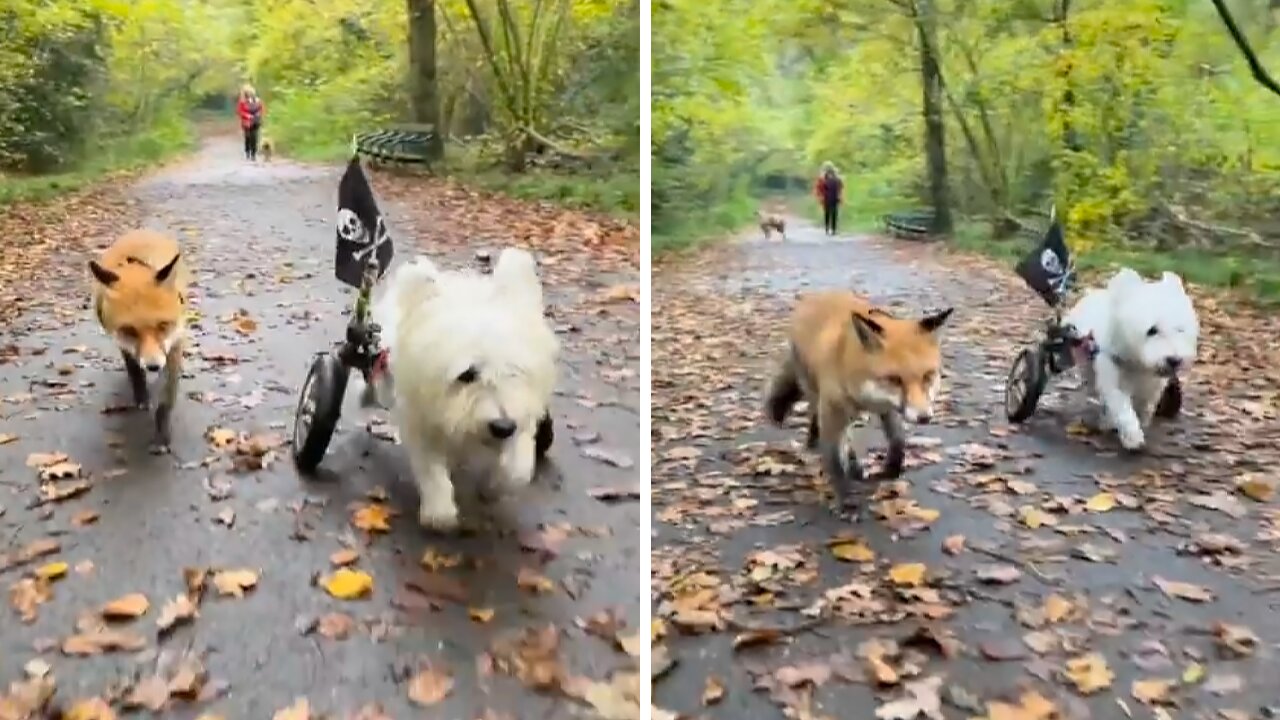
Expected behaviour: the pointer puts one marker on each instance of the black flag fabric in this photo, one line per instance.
(361, 232)
(1046, 267)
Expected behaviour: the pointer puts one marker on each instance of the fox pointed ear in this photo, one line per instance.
(104, 276)
(870, 333)
(935, 321)
(166, 272)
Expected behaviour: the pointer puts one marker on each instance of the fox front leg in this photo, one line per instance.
(137, 380)
(843, 471)
(168, 398)
(897, 436)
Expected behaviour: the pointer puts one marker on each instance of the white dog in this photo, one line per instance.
(472, 367)
(1145, 333)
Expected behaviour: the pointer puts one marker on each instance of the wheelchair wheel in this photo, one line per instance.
(544, 436)
(319, 406)
(1026, 381)
(1170, 403)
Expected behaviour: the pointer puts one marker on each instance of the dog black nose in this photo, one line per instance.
(502, 429)
(1173, 363)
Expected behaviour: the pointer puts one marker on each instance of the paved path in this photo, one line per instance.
(1040, 545)
(465, 614)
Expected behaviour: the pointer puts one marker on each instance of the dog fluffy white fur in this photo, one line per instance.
(472, 368)
(1146, 332)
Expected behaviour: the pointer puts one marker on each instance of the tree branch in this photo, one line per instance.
(1255, 66)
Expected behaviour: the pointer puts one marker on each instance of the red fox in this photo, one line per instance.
(848, 357)
(139, 297)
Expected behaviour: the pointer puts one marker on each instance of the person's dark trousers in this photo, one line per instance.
(251, 142)
(830, 215)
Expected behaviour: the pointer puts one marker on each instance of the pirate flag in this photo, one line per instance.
(361, 232)
(1045, 268)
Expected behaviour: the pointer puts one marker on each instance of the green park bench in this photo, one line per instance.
(908, 225)
(398, 145)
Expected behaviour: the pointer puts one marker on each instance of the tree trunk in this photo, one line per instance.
(935, 134)
(1062, 10)
(424, 87)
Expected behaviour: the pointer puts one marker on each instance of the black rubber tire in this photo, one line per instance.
(324, 387)
(544, 436)
(1029, 374)
(1170, 403)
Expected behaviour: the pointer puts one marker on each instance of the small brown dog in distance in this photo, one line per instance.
(267, 149)
(772, 222)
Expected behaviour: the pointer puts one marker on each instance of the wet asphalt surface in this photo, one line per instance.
(259, 240)
(741, 519)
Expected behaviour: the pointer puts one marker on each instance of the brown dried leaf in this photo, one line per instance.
(429, 687)
(234, 583)
(127, 607)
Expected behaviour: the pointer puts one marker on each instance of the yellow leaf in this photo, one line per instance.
(347, 584)
(52, 571)
(1258, 489)
(1152, 692)
(1193, 674)
(480, 615)
(373, 517)
(1035, 518)
(1089, 673)
(1101, 502)
(1056, 608)
(853, 551)
(657, 630)
(907, 574)
(927, 515)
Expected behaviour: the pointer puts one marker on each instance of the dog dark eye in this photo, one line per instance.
(1153, 331)
(468, 376)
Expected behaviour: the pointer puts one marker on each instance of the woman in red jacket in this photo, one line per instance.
(251, 110)
(830, 191)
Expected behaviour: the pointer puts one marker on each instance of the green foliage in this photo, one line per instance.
(1116, 113)
(90, 86)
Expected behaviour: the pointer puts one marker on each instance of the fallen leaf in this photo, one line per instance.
(907, 574)
(953, 545)
(40, 460)
(1036, 518)
(52, 571)
(922, 699)
(712, 691)
(374, 517)
(1193, 674)
(1256, 488)
(178, 610)
(1102, 502)
(127, 607)
(235, 582)
(480, 615)
(534, 582)
(344, 557)
(299, 710)
(1185, 591)
(429, 687)
(335, 626)
(1089, 673)
(1235, 641)
(999, 574)
(348, 584)
(90, 709)
(853, 551)
(1152, 692)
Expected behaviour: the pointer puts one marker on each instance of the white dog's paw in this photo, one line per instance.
(442, 520)
(1131, 436)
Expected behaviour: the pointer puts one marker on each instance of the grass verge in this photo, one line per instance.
(121, 156)
(612, 190)
(1256, 277)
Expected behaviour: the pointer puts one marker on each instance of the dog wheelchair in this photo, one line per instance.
(1049, 270)
(363, 257)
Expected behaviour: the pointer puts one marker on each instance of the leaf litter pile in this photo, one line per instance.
(199, 582)
(1012, 573)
